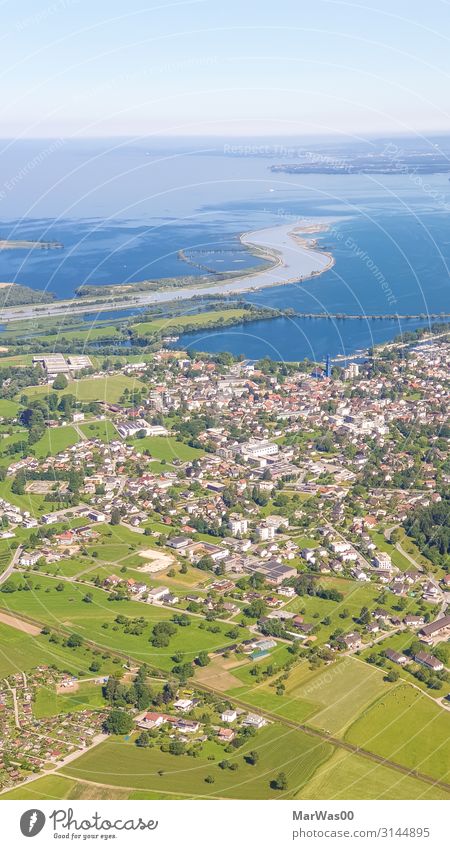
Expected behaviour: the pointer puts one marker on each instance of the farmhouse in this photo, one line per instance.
(396, 657)
(439, 626)
(426, 659)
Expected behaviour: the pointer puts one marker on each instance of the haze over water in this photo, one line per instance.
(123, 214)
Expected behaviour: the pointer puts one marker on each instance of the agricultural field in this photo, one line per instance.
(349, 776)
(328, 699)
(121, 762)
(108, 388)
(406, 726)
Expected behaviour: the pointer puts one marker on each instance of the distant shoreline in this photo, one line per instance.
(294, 258)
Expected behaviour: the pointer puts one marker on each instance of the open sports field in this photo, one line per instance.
(55, 440)
(167, 448)
(67, 609)
(328, 699)
(349, 776)
(407, 727)
(107, 388)
(122, 763)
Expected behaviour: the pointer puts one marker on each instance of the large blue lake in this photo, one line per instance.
(124, 211)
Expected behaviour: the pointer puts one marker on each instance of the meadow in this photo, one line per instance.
(109, 388)
(349, 776)
(406, 726)
(188, 322)
(328, 699)
(103, 430)
(95, 620)
(21, 652)
(121, 762)
(48, 702)
(55, 440)
(167, 448)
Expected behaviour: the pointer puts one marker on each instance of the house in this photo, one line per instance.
(178, 543)
(154, 720)
(158, 595)
(428, 660)
(238, 526)
(254, 720)
(187, 726)
(351, 641)
(396, 657)
(228, 715)
(226, 734)
(183, 705)
(439, 626)
(413, 621)
(112, 581)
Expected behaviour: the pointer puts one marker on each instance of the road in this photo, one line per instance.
(9, 569)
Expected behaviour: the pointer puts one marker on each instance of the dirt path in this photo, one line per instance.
(19, 624)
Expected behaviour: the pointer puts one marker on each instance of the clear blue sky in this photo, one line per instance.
(104, 67)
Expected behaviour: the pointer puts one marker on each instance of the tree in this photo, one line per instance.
(280, 782)
(74, 641)
(60, 382)
(115, 516)
(202, 659)
(118, 722)
(252, 758)
(143, 740)
(176, 747)
(393, 675)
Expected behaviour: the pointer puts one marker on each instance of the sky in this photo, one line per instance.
(95, 68)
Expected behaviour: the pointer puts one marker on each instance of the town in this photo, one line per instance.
(204, 556)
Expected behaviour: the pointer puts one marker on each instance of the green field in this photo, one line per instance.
(350, 776)
(397, 557)
(103, 430)
(167, 448)
(407, 727)
(122, 763)
(108, 388)
(57, 787)
(189, 322)
(36, 504)
(329, 698)
(55, 440)
(50, 703)
(8, 409)
(68, 610)
(20, 652)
